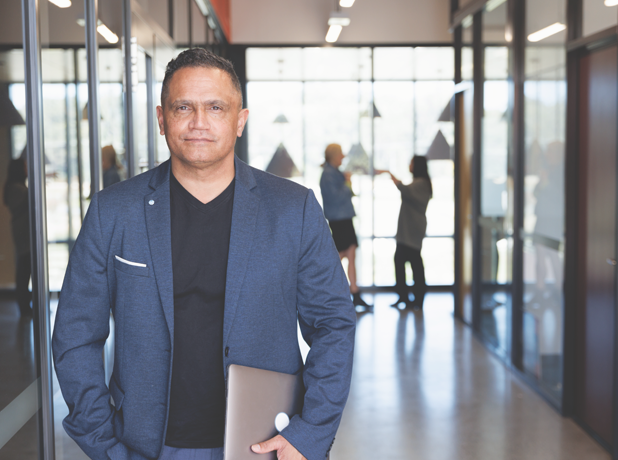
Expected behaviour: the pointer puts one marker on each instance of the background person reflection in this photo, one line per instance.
(111, 167)
(411, 229)
(338, 209)
(16, 199)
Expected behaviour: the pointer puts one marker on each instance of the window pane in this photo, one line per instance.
(441, 209)
(274, 64)
(19, 357)
(336, 63)
(434, 63)
(384, 261)
(545, 93)
(597, 16)
(331, 115)
(439, 260)
(266, 102)
(393, 63)
(364, 262)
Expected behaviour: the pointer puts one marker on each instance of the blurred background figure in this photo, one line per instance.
(16, 199)
(111, 167)
(411, 229)
(338, 210)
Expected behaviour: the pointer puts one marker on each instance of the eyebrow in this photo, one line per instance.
(208, 102)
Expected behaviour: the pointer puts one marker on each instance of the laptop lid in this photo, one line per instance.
(260, 404)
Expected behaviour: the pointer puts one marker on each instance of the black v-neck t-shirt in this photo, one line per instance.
(200, 244)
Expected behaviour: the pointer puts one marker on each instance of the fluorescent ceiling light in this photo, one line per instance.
(611, 2)
(493, 4)
(346, 3)
(61, 3)
(333, 33)
(338, 19)
(107, 34)
(546, 32)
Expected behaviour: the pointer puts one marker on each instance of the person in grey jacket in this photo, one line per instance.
(411, 230)
(339, 211)
(16, 199)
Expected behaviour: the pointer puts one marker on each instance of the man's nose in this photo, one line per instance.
(200, 119)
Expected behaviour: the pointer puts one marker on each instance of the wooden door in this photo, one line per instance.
(597, 236)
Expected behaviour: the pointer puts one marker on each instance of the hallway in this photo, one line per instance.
(425, 388)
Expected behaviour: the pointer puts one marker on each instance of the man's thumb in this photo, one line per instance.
(264, 447)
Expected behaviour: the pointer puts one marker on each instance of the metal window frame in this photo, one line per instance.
(91, 8)
(38, 223)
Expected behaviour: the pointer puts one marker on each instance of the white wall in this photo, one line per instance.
(372, 21)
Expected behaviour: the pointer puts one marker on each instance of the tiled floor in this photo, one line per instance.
(423, 388)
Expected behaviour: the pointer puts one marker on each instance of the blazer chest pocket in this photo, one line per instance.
(130, 267)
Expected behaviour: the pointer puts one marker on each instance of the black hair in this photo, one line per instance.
(16, 175)
(198, 57)
(421, 170)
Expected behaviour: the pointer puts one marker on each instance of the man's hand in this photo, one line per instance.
(285, 450)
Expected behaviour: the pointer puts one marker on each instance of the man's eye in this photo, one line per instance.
(183, 107)
(216, 108)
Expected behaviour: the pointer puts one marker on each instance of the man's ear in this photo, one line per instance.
(160, 120)
(242, 121)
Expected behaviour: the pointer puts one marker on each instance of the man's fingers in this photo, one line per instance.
(267, 446)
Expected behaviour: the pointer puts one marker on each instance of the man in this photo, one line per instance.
(204, 262)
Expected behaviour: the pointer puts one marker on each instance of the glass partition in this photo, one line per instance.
(598, 15)
(544, 202)
(496, 211)
(19, 345)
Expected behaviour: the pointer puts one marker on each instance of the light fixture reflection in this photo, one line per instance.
(346, 3)
(493, 4)
(61, 3)
(611, 2)
(107, 34)
(333, 33)
(546, 32)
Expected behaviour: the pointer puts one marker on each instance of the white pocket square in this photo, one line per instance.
(128, 262)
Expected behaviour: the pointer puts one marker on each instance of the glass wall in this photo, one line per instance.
(544, 204)
(19, 357)
(496, 212)
(382, 105)
(598, 15)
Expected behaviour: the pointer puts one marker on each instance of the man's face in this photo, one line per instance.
(201, 116)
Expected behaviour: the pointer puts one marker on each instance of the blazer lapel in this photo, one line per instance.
(157, 210)
(244, 218)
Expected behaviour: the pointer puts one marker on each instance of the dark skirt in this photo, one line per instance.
(343, 234)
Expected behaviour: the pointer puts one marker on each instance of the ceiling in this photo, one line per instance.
(278, 22)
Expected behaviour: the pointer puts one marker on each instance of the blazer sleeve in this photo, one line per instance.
(81, 328)
(328, 320)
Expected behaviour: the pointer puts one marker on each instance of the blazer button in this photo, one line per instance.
(227, 350)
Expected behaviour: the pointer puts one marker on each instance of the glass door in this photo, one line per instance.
(495, 219)
(20, 364)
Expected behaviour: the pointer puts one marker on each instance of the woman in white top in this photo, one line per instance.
(411, 230)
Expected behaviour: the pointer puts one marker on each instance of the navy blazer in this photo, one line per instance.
(282, 267)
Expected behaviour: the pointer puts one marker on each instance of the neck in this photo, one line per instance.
(206, 183)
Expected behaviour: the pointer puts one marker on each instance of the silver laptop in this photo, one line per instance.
(260, 404)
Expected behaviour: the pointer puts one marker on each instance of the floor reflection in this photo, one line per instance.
(495, 314)
(424, 388)
(17, 372)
